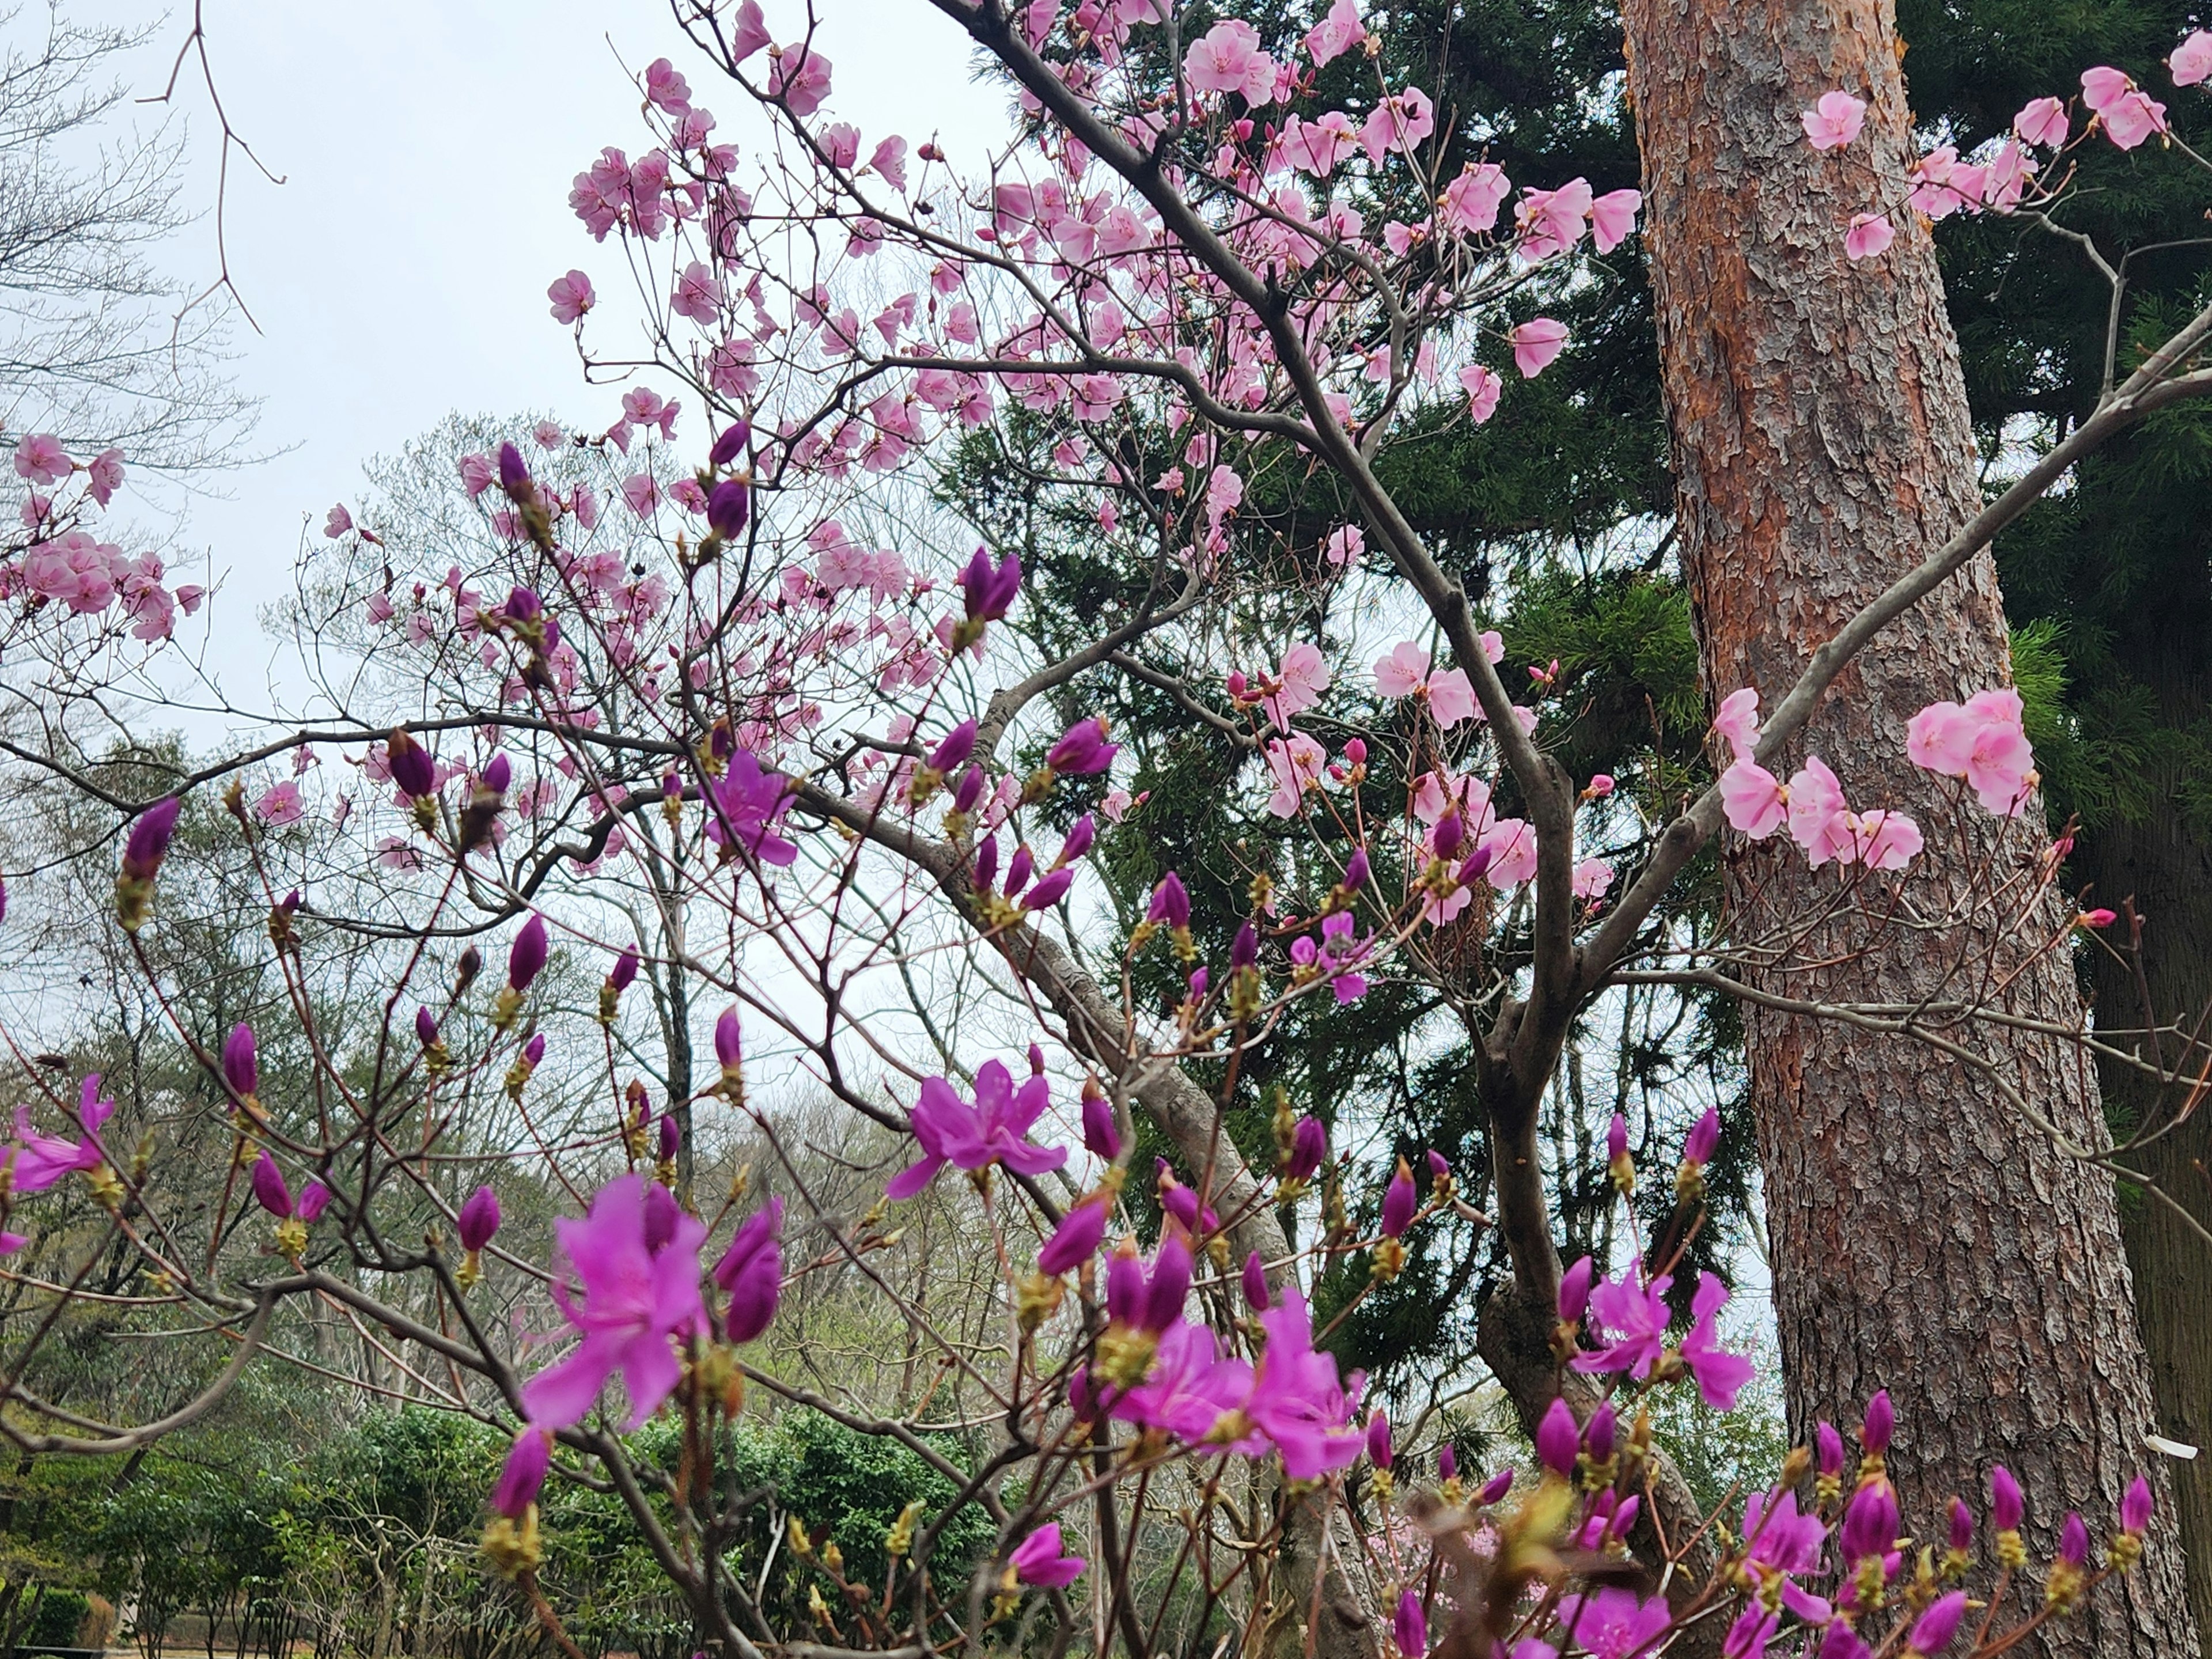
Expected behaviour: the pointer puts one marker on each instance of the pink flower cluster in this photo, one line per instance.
(73, 567)
(1982, 741)
(1812, 803)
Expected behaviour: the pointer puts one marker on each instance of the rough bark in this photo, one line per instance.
(1924, 1238)
(2166, 867)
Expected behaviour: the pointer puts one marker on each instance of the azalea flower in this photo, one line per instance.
(1300, 681)
(37, 1161)
(750, 802)
(1613, 1624)
(1536, 343)
(1037, 1559)
(1835, 121)
(640, 1277)
(1633, 1316)
(1298, 1401)
(992, 1131)
(1720, 1374)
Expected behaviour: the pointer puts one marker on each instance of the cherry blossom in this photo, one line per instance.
(1536, 343)
(1835, 120)
(1870, 234)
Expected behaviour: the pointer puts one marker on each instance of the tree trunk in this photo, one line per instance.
(2166, 869)
(1924, 1238)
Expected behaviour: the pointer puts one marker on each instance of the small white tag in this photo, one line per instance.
(2171, 1448)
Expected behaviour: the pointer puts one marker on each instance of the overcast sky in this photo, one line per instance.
(427, 147)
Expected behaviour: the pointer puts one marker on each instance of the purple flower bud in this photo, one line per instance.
(624, 970)
(1199, 980)
(1447, 1462)
(661, 1215)
(1075, 1241)
(1477, 861)
(1409, 1627)
(1439, 1165)
(1170, 902)
(1018, 868)
(730, 444)
(751, 1271)
(1101, 1136)
(1125, 1287)
(1962, 1525)
(1880, 1424)
(426, 1027)
(1496, 1488)
(987, 864)
(1705, 1138)
(1598, 1436)
(1050, 890)
(1245, 948)
(513, 476)
(523, 605)
(672, 787)
(2135, 1507)
(1083, 750)
(988, 592)
(525, 957)
(148, 842)
(1869, 1522)
(410, 764)
(1309, 1146)
(968, 790)
(1399, 1202)
(1169, 1285)
(239, 1068)
(315, 1198)
(1616, 1138)
(2007, 1508)
(1449, 832)
(498, 773)
(1036, 1061)
(1938, 1625)
(479, 1218)
(671, 1137)
(524, 1474)
(729, 506)
(2074, 1540)
(1255, 1286)
(952, 753)
(1575, 1291)
(533, 1052)
(1558, 1438)
(1378, 1433)
(729, 1038)
(1830, 1445)
(1356, 871)
(1078, 839)
(270, 1189)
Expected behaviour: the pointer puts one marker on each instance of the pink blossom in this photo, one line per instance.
(698, 294)
(1835, 120)
(1738, 722)
(477, 474)
(1451, 697)
(1302, 678)
(103, 476)
(1613, 218)
(1511, 847)
(2132, 118)
(1037, 1559)
(1298, 1401)
(280, 805)
(1469, 204)
(1753, 800)
(336, 522)
(801, 78)
(1345, 545)
(1719, 1373)
(1294, 767)
(637, 1256)
(1981, 741)
(1399, 123)
(2104, 86)
(1536, 343)
(1819, 819)
(1632, 1317)
(1484, 388)
(1886, 839)
(1228, 58)
(1316, 146)
(2192, 61)
(1592, 878)
(40, 459)
(1402, 673)
(994, 1130)
(1552, 221)
(1870, 234)
(572, 296)
(2043, 122)
(1613, 1623)
(1336, 34)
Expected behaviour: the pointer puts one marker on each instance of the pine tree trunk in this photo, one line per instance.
(1924, 1239)
(2167, 870)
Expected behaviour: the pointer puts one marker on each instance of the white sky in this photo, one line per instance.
(427, 147)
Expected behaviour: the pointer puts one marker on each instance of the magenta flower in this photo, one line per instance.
(1830, 1447)
(1870, 1525)
(1634, 1319)
(1962, 1526)
(624, 972)
(1400, 1201)
(525, 957)
(729, 1039)
(315, 1198)
(992, 1131)
(1170, 902)
(952, 752)
(1298, 1401)
(2074, 1539)
(409, 762)
(988, 592)
(1075, 1241)
(749, 805)
(729, 508)
(524, 1474)
(2007, 1508)
(1102, 1135)
(1936, 1626)
(1557, 1439)
(751, 1272)
(1309, 1146)
(1880, 1424)
(2135, 1507)
(1409, 1627)
(268, 1188)
(1574, 1291)
(37, 1161)
(1189, 1388)
(479, 1218)
(1779, 1537)
(1492, 1489)
(1378, 1433)
(1037, 1559)
(1613, 1623)
(635, 1298)
(239, 1070)
(1083, 749)
(1720, 1374)
(148, 842)
(1254, 1279)
(1704, 1140)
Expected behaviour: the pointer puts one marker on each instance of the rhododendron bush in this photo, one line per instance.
(718, 732)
